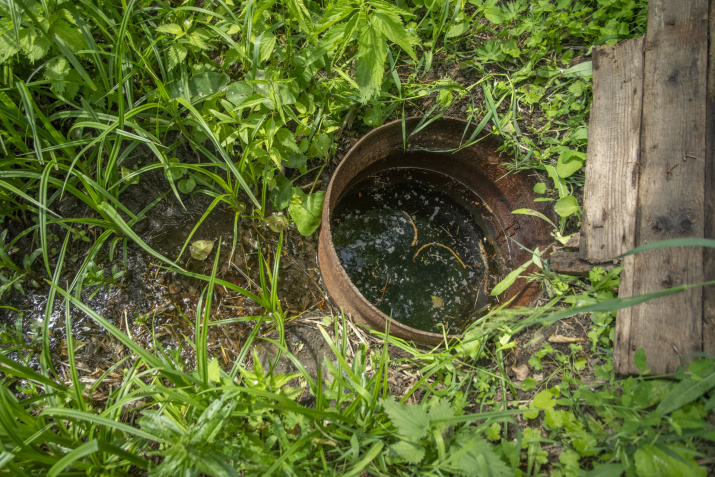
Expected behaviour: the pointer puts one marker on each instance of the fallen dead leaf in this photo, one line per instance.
(522, 372)
(563, 339)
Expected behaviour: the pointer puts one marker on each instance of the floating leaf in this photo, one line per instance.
(437, 302)
(277, 223)
(201, 249)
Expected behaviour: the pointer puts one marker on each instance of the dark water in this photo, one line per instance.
(439, 278)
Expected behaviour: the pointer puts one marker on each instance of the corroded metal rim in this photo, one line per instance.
(479, 167)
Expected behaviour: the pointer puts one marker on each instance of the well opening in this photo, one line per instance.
(435, 224)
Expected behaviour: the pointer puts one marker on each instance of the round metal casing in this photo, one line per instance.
(479, 167)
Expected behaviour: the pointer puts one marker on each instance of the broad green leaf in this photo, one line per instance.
(176, 54)
(282, 192)
(57, 69)
(582, 70)
(185, 185)
(300, 13)
(686, 391)
(200, 38)
(410, 420)
(268, 43)
(328, 42)
(306, 210)
(372, 53)
(320, 147)
(214, 372)
(577, 88)
(493, 433)
(540, 188)
(171, 29)
(653, 461)
(33, 45)
(238, 91)
(392, 27)
(494, 15)
(544, 400)
(208, 83)
(567, 206)
(569, 162)
(554, 418)
(440, 414)
(8, 47)
(412, 453)
(458, 29)
(201, 249)
(70, 34)
(286, 139)
(335, 12)
(471, 455)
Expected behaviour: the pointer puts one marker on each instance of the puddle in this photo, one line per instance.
(419, 246)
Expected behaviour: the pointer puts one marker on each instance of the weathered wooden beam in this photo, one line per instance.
(709, 257)
(611, 187)
(571, 263)
(671, 190)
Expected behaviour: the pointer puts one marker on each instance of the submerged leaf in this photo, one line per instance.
(201, 249)
(277, 223)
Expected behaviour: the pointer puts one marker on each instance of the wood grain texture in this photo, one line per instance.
(572, 263)
(671, 189)
(611, 187)
(709, 253)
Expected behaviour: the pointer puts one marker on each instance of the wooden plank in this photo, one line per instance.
(572, 264)
(709, 258)
(611, 187)
(671, 188)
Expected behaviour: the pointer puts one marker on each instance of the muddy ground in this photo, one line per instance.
(150, 303)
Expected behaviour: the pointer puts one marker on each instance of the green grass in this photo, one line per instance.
(94, 96)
